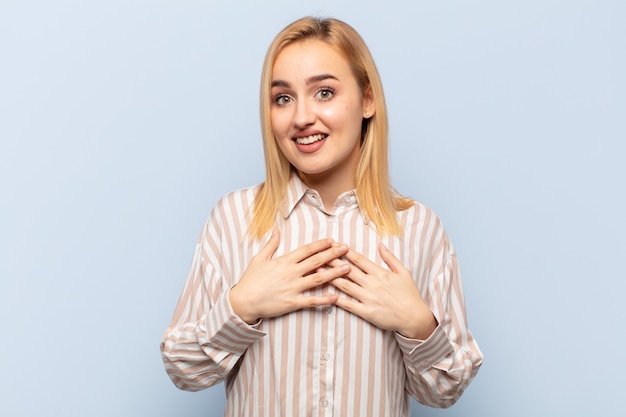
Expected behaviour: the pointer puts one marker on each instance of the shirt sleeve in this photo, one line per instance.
(205, 338)
(442, 366)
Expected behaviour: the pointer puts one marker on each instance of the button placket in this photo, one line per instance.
(326, 362)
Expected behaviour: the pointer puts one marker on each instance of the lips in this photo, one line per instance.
(307, 140)
(310, 142)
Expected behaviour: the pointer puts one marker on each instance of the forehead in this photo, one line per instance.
(309, 58)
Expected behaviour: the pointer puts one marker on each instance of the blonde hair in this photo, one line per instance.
(378, 201)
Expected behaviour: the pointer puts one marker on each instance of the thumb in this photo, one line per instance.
(390, 258)
(272, 244)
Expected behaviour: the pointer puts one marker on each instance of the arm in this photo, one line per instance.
(440, 367)
(439, 353)
(215, 320)
(205, 338)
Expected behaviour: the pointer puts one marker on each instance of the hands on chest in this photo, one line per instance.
(387, 298)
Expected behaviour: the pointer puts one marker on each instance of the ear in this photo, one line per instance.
(369, 107)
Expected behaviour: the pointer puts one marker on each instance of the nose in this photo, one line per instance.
(304, 114)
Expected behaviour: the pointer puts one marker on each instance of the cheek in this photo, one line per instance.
(335, 117)
(346, 112)
(279, 123)
(344, 115)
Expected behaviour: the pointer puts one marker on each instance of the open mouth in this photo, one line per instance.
(307, 140)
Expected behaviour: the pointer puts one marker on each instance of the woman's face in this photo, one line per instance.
(316, 112)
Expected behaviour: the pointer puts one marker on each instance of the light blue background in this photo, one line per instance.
(122, 123)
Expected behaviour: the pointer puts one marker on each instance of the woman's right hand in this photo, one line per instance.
(273, 287)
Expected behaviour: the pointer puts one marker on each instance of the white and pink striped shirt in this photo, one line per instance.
(322, 361)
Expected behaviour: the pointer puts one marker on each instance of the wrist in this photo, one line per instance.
(422, 329)
(240, 306)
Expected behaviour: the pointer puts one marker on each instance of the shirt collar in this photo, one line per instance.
(297, 189)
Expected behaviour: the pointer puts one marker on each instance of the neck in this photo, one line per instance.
(334, 181)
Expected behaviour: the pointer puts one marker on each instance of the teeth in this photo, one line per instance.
(310, 139)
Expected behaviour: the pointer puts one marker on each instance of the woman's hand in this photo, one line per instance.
(389, 299)
(273, 287)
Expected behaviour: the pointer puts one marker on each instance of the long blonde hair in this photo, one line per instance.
(378, 201)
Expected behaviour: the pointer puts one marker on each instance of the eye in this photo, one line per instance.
(325, 93)
(282, 99)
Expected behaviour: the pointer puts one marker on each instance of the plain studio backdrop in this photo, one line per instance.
(123, 122)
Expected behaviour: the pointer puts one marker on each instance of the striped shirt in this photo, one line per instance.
(321, 361)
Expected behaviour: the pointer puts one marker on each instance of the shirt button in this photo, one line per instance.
(332, 219)
(328, 310)
(326, 356)
(325, 403)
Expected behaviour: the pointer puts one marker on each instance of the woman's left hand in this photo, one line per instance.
(389, 299)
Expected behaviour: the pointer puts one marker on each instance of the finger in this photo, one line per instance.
(322, 258)
(361, 261)
(335, 262)
(308, 301)
(268, 250)
(351, 305)
(355, 274)
(390, 259)
(308, 250)
(323, 276)
(349, 288)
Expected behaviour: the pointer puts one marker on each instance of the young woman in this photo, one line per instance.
(322, 291)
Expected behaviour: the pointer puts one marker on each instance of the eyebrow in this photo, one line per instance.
(310, 80)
